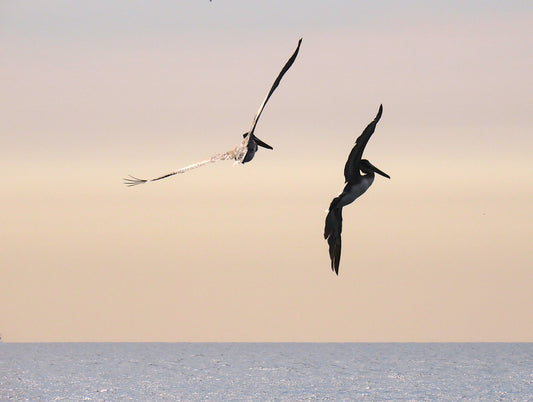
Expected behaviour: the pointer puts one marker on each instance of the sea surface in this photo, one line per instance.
(266, 371)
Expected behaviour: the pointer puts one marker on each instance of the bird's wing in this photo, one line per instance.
(352, 164)
(134, 181)
(275, 85)
(332, 233)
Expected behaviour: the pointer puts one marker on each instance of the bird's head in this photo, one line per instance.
(366, 167)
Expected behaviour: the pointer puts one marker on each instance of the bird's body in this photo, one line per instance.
(242, 153)
(251, 143)
(352, 191)
(356, 185)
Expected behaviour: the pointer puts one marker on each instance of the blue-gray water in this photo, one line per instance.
(266, 371)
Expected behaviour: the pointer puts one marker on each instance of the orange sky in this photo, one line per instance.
(441, 252)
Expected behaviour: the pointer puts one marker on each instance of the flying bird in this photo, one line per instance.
(242, 153)
(356, 185)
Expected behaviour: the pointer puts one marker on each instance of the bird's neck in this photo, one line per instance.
(369, 177)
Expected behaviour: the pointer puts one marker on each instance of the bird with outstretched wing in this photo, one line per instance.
(356, 185)
(242, 153)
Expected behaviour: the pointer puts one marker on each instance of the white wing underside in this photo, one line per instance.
(237, 154)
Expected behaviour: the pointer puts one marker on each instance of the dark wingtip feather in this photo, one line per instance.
(133, 181)
(332, 233)
(336, 259)
(335, 266)
(380, 111)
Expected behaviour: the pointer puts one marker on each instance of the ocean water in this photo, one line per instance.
(266, 371)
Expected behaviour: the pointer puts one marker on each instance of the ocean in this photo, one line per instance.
(266, 371)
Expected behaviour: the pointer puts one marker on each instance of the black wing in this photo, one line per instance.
(351, 168)
(332, 233)
(275, 85)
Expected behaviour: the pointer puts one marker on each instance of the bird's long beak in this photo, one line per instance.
(375, 169)
(261, 143)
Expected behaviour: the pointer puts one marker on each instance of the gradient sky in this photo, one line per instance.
(95, 90)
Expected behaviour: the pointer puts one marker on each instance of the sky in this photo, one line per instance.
(93, 91)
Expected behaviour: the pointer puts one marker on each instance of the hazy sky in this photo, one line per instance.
(95, 90)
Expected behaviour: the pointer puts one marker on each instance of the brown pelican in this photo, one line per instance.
(356, 185)
(242, 153)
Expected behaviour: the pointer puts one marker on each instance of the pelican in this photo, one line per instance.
(356, 185)
(242, 153)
